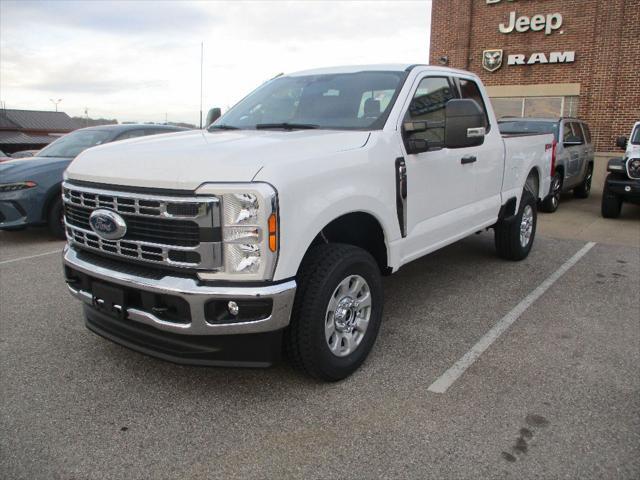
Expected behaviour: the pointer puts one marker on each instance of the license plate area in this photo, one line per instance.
(109, 299)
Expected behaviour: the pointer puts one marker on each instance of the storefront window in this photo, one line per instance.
(507, 107)
(543, 107)
(535, 106)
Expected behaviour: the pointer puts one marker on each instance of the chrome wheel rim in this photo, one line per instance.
(348, 315)
(526, 226)
(555, 191)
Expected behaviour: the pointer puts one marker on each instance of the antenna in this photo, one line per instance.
(201, 63)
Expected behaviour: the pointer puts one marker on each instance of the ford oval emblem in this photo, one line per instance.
(107, 224)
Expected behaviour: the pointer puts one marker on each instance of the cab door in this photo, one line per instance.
(440, 181)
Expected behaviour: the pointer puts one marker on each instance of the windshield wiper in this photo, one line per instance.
(223, 127)
(286, 126)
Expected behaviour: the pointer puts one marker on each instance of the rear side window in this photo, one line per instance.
(428, 105)
(469, 89)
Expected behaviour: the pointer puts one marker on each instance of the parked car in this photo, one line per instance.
(275, 224)
(622, 184)
(573, 154)
(30, 188)
(24, 154)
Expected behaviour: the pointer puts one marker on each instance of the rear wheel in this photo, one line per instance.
(611, 203)
(337, 312)
(551, 202)
(55, 219)
(514, 237)
(583, 190)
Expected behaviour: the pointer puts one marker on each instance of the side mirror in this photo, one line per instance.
(572, 141)
(464, 124)
(621, 142)
(212, 116)
(414, 145)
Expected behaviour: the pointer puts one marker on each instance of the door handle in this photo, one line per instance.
(468, 159)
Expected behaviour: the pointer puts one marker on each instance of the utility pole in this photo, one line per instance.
(86, 116)
(201, 63)
(55, 102)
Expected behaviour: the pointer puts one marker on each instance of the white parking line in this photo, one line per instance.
(30, 256)
(450, 376)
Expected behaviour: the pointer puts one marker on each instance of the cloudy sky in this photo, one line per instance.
(140, 60)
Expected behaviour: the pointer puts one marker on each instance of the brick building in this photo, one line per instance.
(548, 57)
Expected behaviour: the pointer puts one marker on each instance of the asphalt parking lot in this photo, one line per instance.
(556, 395)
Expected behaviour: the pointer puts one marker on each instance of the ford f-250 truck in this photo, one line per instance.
(270, 229)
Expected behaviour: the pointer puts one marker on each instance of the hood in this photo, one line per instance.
(632, 150)
(31, 168)
(186, 160)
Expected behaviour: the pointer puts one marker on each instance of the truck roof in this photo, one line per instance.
(383, 67)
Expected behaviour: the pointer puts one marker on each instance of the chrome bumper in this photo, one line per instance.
(196, 295)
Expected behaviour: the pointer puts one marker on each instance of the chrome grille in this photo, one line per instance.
(171, 230)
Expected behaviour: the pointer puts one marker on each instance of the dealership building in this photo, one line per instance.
(548, 57)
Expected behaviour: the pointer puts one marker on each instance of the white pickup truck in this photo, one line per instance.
(269, 231)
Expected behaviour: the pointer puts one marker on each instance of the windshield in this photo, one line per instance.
(72, 144)
(524, 126)
(635, 136)
(349, 101)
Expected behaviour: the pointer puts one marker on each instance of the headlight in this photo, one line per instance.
(12, 187)
(249, 223)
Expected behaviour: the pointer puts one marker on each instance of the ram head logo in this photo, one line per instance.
(492, 60)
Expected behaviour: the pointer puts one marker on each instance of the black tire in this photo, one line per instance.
(322, 270)
(551, 202)
(55, 219)
(611, 203)
(584, 189)
(507, 232)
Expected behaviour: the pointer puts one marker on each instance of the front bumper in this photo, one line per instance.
(624, 187)
(137, 322)
(17, 209)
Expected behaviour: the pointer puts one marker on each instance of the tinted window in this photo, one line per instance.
(567, 132)
(335, 101)
(635, 136)
(523, 126)
(428, 105)
(577, 131)
(469, 89)
(131, 134)
(72, 144)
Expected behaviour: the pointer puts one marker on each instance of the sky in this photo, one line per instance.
(140, 60)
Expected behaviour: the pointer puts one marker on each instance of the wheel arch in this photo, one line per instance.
(358, 228)
(50, 197)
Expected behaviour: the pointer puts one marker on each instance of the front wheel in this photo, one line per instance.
(55, 219)
(337, 312)
(583, 190)
(514, 237)
(611, 203)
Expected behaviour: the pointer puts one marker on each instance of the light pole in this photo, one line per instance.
(55, 102)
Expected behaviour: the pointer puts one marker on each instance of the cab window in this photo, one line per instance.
(428, 105)
(469, 89)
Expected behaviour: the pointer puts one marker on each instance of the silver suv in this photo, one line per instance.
(573, 154)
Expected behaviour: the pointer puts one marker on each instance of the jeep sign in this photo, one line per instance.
(549, 23)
